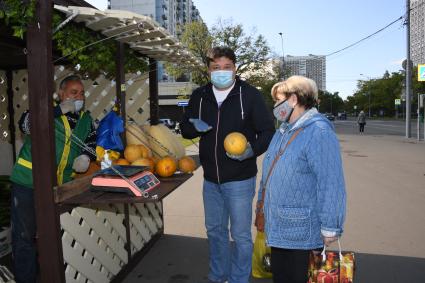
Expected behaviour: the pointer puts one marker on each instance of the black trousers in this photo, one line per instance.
(289, 266)
(361, 127)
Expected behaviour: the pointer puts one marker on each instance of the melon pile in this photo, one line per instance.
(156, 147)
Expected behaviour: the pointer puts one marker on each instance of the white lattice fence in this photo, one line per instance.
(100, 97)
(4, 115)
(94, 238)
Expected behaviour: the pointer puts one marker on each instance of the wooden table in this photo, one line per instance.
(78, 192)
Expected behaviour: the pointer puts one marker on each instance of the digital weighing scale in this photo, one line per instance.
(137, 180)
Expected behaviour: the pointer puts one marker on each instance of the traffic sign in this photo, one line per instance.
(397, 101)
(182, 103)
(421, 73)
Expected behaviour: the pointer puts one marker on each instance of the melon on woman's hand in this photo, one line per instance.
(235, 143)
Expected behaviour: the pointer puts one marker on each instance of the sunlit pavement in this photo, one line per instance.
(385, 225)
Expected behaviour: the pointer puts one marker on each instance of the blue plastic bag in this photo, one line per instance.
(109, 130)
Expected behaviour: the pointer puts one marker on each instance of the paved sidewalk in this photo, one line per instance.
(385, 225)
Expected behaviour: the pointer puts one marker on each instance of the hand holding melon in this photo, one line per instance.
(237, 146)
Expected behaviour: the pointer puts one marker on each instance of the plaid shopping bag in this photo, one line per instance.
(331, 267)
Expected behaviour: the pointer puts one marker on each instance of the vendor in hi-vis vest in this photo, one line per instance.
(72, 126)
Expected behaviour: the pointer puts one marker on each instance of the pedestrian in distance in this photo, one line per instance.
(228, 104)
(361, 120)
(302, 193)
(69, 118)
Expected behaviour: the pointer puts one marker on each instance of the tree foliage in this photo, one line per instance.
(75, 43)
(198, 41)
(330, 102)
(382, 92)
(251, 50)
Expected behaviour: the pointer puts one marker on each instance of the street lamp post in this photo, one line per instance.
(283, 56)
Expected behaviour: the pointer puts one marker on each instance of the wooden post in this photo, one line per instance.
(120, 86)
(153, 91)
(11, 110)
(40, 90)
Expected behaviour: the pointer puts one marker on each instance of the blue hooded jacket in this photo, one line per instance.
(305, 194)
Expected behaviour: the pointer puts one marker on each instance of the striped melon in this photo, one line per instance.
(164, 142)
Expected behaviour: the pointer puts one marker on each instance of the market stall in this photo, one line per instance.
(96, 236)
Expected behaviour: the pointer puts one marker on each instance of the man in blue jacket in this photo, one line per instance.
(226, 105)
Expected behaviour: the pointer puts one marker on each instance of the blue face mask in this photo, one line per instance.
(222, 79)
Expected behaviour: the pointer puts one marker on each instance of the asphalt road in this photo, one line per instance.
(377, 127)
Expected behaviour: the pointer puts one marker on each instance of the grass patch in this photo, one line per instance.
(187, 142)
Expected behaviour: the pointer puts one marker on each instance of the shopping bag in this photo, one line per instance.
(261, 258)
(331, 267)
(109, 130)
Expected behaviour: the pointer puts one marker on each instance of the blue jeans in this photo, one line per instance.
(23, 234)
(223, 202)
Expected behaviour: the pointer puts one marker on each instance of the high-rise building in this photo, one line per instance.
(312, 66)
(170, 14)
(417, 31)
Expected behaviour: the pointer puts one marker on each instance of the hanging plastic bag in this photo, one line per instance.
(109, 130)
(261, 259)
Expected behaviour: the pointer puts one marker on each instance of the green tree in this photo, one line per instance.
(198, 40)
(330, 102)
(251, 50)
(378, 94)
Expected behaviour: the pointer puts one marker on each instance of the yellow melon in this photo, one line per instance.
(132, 152)
(135, 135)
(145, 162)
(187, 164)
(235, 143)
(166, 166)
(164, 142)
(146, 152)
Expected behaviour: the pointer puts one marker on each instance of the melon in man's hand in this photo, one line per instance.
(235, 143)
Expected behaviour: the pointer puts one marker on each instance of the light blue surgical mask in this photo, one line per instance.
(222, 79)
(78, 105)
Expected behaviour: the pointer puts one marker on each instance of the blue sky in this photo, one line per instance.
(321, 27)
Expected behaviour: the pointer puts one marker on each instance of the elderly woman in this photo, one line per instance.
(302, 182)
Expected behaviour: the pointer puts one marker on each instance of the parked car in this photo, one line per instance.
(168, 122)
(330, 116)
(342, 116)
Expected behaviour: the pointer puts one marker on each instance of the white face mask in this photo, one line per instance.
(78, 105)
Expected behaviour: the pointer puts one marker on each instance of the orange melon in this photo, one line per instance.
(235, 143)
(166, 166)
(121, 161)
(187, 164)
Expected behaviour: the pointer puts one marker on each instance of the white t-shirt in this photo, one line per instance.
(220, 95)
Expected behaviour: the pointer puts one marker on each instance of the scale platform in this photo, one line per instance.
(140, 180)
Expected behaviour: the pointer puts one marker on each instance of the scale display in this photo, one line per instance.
(139, 180)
